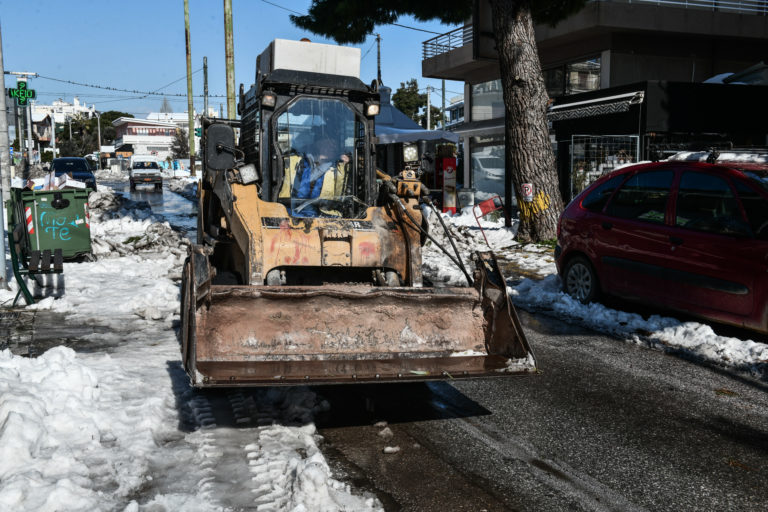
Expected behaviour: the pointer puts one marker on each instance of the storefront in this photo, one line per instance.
(601, 130)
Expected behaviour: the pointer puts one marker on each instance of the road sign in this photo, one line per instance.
(22, 94)
(527, 190)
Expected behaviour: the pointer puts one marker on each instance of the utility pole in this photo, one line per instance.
(29, 137)
(442, 110)
(205, 86)
(5, 163)
(98, 149)
(221, 110)
(229, 51)
(429, 107)
(378, 58)
(190, 100)
(53, 134)
(17, 128)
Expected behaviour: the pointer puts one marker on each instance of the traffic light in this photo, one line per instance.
(198, 132)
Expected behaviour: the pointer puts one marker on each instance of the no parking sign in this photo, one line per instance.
(527, 190)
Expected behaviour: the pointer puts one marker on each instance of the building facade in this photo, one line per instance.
(62, 112)
(608, 44)
(143, 137)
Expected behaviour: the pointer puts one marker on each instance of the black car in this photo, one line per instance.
(76, 168)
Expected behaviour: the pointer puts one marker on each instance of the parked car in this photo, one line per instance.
(688, 236)
(491, 167)
(76, 168)
(145, 171)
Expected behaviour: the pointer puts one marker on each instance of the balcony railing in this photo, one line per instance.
(462, 36)
(444, 43)
(743, 6)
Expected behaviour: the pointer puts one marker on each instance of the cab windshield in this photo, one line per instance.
(321, 141)
(145, 165)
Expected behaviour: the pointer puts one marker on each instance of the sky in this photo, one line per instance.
(139, 45)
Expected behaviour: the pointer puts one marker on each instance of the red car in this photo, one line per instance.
(687, 236)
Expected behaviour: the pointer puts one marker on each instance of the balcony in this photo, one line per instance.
(468, 53)
(453, 56)
(444, 43)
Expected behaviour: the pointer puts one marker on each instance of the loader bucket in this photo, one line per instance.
(272, 335)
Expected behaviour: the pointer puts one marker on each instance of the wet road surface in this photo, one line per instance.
(181, 213)
(606, 425)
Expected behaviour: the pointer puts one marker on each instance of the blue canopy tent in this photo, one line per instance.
(392, 126)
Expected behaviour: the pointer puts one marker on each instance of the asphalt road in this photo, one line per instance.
(606, 425)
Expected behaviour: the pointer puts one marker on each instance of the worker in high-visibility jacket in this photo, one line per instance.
(308, 177)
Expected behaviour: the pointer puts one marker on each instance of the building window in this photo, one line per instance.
(487, 166)
(554, 80)
(487, 101)
(573, 77)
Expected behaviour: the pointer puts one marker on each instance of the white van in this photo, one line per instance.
(145, 170)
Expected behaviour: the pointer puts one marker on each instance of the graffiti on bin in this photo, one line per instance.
(59, 227)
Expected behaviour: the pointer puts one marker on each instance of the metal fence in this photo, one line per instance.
(741, 6)
(593, 156)
(446, 42)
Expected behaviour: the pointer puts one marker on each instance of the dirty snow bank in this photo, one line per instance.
(529, 258)
(91, 431)
(109, 175)
(186, 187)
(695, 339)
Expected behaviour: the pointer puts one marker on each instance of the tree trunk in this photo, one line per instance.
(529, 157)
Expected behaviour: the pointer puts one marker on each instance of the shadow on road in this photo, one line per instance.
(365, 404)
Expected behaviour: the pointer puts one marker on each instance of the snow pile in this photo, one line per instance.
(691, 338)
(757, 157)
(110, 175)
(77, 432)
(437, 266)
(185, 187)
(114, 291)
(120, 226)
(288, 470)
(89, 431)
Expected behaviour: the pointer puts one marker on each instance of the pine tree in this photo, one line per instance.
(180, 144)
(529, 156)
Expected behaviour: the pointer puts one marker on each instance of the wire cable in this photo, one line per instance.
(133, 91)
(305, 14)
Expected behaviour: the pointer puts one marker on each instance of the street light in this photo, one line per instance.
(98, 149)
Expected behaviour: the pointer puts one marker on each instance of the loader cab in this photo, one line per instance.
(307, 126)
(320, 147)
(311, 135)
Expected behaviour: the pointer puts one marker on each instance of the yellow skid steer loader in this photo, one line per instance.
(307, 267)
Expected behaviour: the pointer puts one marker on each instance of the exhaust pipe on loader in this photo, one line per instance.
(273, 335)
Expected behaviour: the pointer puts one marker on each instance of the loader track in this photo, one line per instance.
(252, 443)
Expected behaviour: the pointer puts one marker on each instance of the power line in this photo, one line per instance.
(414, 28)
(133, 91)
(368, 51)
(284, 8)
(304, 14)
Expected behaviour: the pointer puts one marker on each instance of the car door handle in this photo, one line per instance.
(606, 225)
(674, 240)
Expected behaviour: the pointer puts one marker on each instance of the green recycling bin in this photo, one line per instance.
(56, 219)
